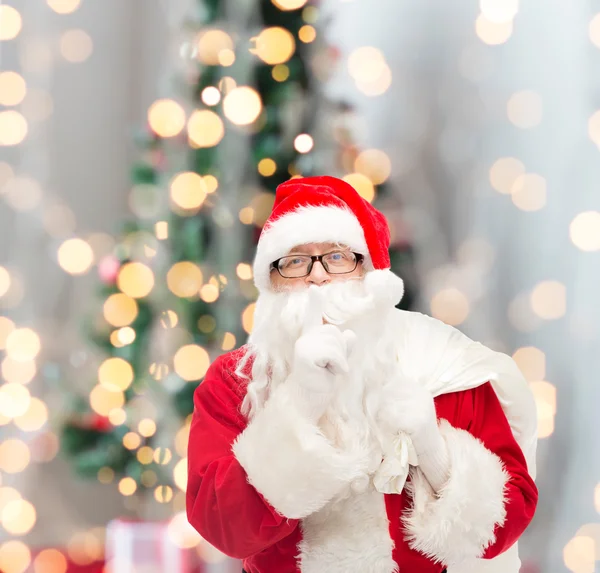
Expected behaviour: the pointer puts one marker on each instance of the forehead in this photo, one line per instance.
(317, 248)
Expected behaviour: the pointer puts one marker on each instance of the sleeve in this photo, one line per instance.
(221, 505)
(489, 499)
(290, 461)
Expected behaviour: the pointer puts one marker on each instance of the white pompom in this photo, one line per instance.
(385, 287)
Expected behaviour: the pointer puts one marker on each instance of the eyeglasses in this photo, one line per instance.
(335, 263)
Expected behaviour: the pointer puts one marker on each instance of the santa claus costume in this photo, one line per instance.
(415, 453)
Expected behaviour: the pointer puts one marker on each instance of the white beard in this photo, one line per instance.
(357, 304)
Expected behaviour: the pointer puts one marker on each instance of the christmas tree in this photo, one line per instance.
(178, 288)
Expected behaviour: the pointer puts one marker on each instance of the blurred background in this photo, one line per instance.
(141, 142)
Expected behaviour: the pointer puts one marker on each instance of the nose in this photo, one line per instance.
(318, 275)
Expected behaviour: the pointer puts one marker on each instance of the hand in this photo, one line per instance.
(406, 406)
(320, 354)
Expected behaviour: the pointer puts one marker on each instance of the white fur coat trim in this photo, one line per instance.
(306, 225)
(290, 462)
(349, 535)
(459, 522)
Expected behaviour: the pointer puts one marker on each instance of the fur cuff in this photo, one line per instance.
(290, 462)
(459, 522)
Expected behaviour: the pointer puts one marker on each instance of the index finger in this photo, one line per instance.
(314, 309)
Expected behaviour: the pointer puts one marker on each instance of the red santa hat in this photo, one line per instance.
(325, 210)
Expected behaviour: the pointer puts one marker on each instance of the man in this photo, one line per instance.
(348, 436)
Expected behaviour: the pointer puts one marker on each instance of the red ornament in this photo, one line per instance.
(108, 269)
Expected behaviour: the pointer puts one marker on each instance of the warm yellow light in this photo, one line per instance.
(528, 192)
(16, 371)
(379, 86)
(594, 30)
(289, 4)
(504, 173)
(166, 117)
(280, 72)
(124, 336)
(13, 126)
(117, 416)
(15, 556)
(531, 361)
(450, 306)
(50, 561)
(127, 486)
(163, 494)
(267, 167)
(15, 399)
(274, 45)
(103, 400)
(307, 34)
(75, 256)
(366, 64)
(147, 427)
(226, 84)
(12, 88)
(545, 393)
(161, 230)
(499, 11)
(131, 440)
(242, 105)
(594, 127)
(374, 164)
(106, 475)
(246, 215)
(579, 554)
(181, 533)
(162, 456)
(188, 190)
(84, 548)
(135, 280)
(209, 293)
(64, 6)
(362, 184)
(211, 43)
(226, 57)
(211, 182)
(303, 143)
(4, 281)
(34, 418)
(145, 455)
(228, 341)
(23, 193)
(18, 517)
(120, 309)
(180, 474)
(6, 327)
(584, 231)
(14, 456)
(191, 362)
(205, 128)
(493, 33)
(23, 344)
(549, 300)
(211, 95)
(115, 374)
(244, 271)
(525, 109)
(76, 46)
(248, 317)
(184, 279)
(10, 22)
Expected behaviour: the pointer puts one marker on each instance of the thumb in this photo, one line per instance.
(350, 339)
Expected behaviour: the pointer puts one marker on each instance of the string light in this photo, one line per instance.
(10, 23)
(166, 117)
(12, 88)
(493, 33)
(242, 105)
(274, 45)
(205, 128)
(584, 231)
(13, 127)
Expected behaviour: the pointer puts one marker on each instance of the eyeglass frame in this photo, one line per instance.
(317, 258)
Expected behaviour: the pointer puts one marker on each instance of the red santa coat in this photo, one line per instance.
(260, 491)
